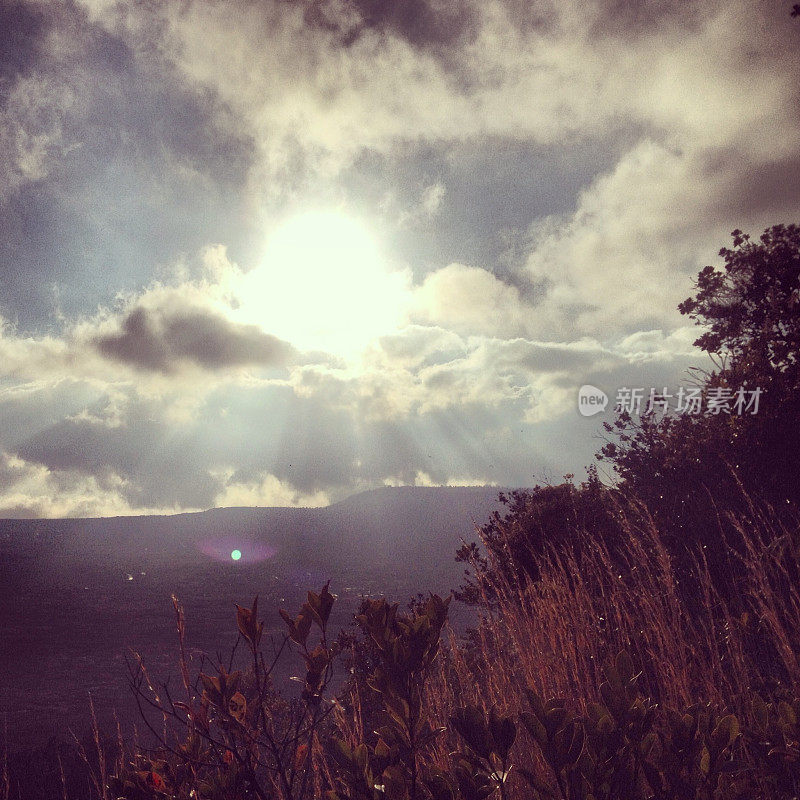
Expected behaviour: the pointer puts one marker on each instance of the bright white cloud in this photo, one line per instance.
(471, 300)
(31, 137)
(33, 490)
(265, 490)
(709, 87)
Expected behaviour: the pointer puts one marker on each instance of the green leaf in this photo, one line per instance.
(503, 731)
(471, 726)
(535, 727)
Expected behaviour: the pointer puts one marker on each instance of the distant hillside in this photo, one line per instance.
(361, 534)
(76, 594)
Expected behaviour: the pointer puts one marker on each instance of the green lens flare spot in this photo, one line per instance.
(236, 554)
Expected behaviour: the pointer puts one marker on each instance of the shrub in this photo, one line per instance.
(233, 736)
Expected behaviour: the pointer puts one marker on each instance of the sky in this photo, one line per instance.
(276, 252)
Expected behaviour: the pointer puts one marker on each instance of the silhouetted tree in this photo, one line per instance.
(751, 305)
(751, 309)
(692, 470)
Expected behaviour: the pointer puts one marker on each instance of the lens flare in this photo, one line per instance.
(237, 550)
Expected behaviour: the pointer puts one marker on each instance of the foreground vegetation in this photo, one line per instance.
(586, 682)
(636, 641)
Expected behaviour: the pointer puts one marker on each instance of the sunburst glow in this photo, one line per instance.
(324, 284)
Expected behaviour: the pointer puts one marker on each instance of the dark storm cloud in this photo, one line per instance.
(111, 159)
(163, 341)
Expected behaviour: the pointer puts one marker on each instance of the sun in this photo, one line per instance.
(324, 284)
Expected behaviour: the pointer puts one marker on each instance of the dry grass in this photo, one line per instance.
(693, 642)
(555, 633)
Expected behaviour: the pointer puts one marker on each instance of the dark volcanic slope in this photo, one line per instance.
(75, 595)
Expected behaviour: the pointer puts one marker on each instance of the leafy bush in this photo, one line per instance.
(407, 645)
(234, 736)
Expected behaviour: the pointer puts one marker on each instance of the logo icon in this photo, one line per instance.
(591, 400)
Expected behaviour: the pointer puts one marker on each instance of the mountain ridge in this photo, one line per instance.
(344, 501)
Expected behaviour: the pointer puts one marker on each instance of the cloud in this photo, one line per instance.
(23, 27)
(432, 198)
(471, 300)
(165, 330)
(594, 157)
(700, 90)
(29, 490)
(423, 23)
(29, 130)
(427, 208)
(656, 345)
(635, 18)
(425, 370)
(265, 490)
(31, 133)
(414, 346)
(426, 400)
(539, 81)
(109, 160)
(706, 89)
(626, 257)
(165, 340)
